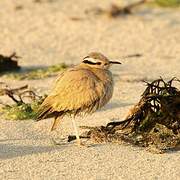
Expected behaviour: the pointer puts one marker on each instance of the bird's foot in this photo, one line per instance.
(55, 143)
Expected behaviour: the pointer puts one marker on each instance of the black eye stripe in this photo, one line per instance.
(92, 63)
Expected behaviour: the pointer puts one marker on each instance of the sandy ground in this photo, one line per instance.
(44, 34)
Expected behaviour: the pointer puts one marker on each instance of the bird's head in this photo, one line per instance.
(98, 60)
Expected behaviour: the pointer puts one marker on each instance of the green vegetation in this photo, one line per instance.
(167, 3)
(22, 111)
(37, 73)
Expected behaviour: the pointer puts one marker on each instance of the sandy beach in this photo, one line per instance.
(46, 33)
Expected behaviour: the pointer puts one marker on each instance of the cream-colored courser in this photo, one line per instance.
(82, 89)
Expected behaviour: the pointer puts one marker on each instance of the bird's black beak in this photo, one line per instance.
(115, 62)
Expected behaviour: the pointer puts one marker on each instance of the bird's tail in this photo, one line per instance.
(43, 113)
(45, 110)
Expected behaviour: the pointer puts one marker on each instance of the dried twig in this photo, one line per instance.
(17, 94)
(23, 108)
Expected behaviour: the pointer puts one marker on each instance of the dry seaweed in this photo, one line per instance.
(21, 110)
(19, 7)
(9, 63)
(166, 3)
(115, 10)
(154, 122)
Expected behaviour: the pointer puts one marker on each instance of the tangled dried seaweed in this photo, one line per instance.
(9, 63)
(154, 122)
(21, 110)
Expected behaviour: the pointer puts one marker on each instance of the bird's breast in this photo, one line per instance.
(106, 86)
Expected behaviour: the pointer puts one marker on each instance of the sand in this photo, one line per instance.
(44, 34)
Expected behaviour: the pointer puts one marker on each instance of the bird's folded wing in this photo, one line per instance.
(76, 89)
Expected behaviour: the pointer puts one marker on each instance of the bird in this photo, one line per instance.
(79, 91)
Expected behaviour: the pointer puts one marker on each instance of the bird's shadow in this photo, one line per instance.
(31, 68)
(10, 150)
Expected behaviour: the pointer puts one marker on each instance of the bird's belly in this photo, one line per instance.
(107, 95)
(102, 101)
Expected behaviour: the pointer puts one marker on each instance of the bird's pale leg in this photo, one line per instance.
(55, 123)
(54, 126)
(76, 132)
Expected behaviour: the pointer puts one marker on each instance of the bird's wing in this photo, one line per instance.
(75, 89)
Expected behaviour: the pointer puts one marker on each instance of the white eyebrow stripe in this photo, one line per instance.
(91, 60)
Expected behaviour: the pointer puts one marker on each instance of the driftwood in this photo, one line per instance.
(137, 55)
(9, 63)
